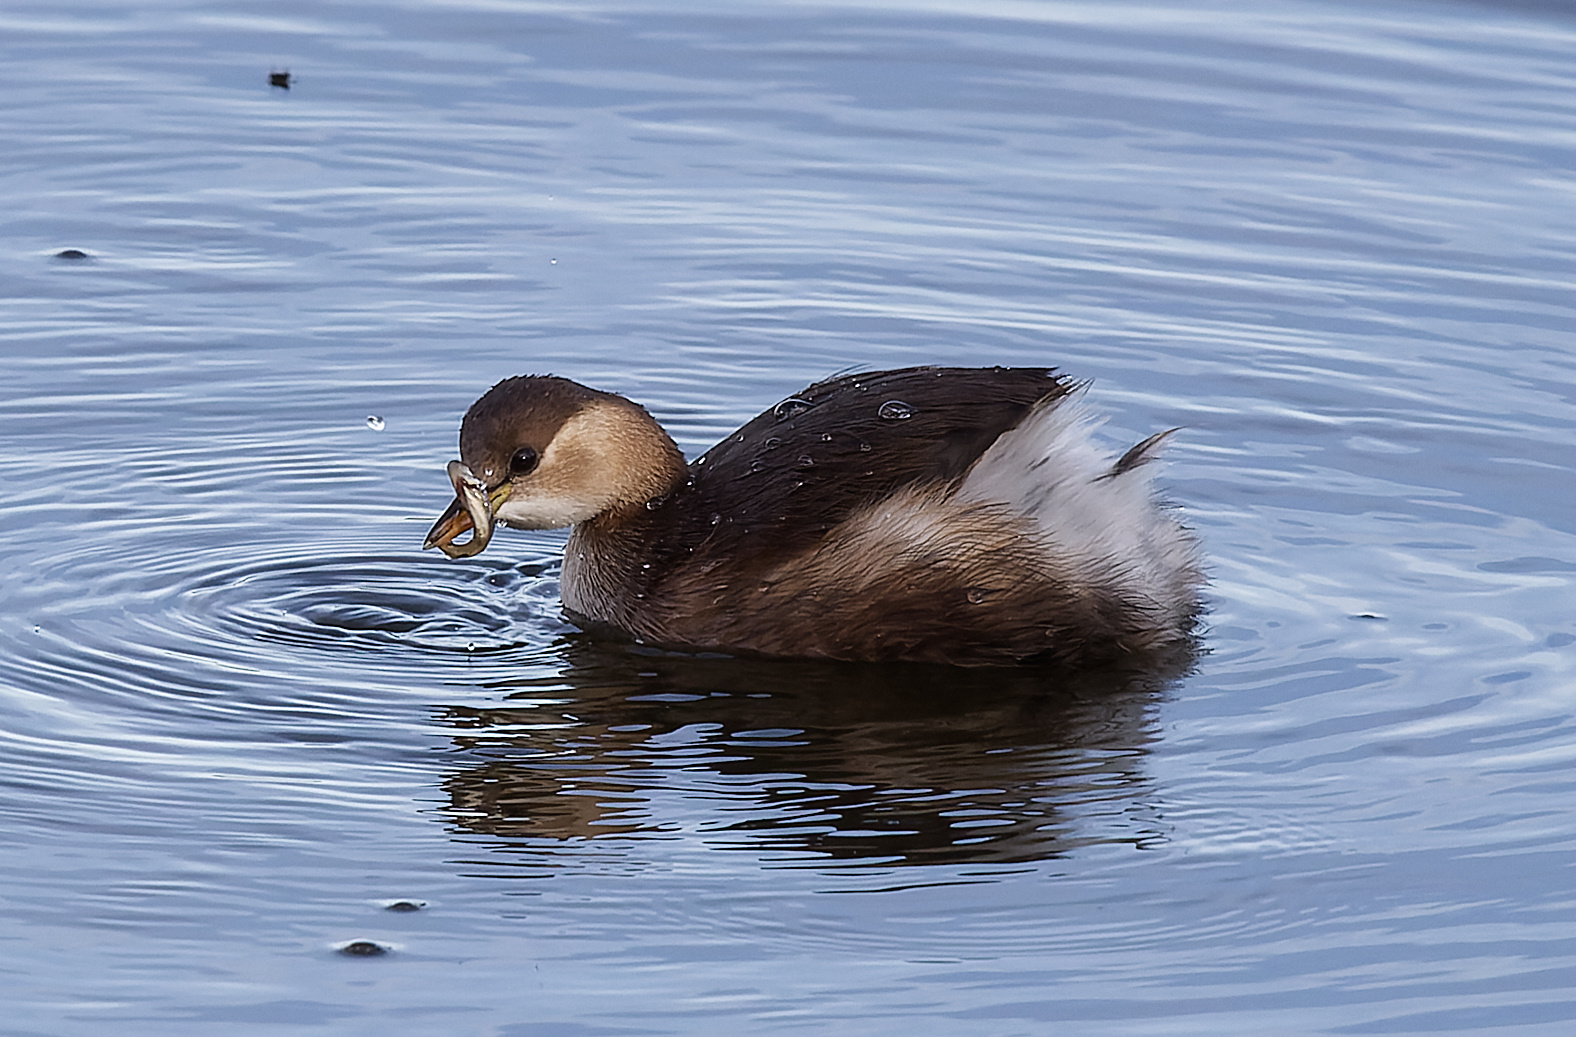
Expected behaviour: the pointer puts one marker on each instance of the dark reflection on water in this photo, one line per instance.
(809, 761)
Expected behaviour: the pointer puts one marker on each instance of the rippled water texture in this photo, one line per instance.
(243, 718)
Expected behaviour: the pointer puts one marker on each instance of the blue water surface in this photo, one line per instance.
(244, 720)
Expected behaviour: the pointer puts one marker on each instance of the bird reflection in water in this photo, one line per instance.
(808, 762)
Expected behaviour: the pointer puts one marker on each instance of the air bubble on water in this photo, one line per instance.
(375, 422)
(826, 437)
(805, 461)
(896, 410)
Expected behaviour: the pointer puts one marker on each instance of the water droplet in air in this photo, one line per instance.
(554, 262)
(792, 407)
(716, 519)
(645, 565)
(977, 595)
(864, 447)
(826, 437)
(896, 410)
(805, 461)
(470, 646)
(375, 423)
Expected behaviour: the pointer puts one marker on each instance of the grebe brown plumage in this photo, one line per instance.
(954, 515)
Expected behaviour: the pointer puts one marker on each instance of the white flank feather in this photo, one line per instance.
(1050, 470)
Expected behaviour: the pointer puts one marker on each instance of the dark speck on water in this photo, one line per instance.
(363, 949)
(71, 254)
(280, 80)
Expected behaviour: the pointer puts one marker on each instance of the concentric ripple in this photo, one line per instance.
(216, 623)
(374, 602)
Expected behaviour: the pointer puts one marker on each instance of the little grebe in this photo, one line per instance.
(936, 514)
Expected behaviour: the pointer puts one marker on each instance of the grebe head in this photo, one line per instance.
(538, 452)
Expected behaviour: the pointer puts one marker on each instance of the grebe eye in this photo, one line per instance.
(523, 461)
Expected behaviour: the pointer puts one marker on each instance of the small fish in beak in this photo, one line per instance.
(472, 509)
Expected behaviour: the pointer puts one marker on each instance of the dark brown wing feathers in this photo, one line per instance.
(771, 490)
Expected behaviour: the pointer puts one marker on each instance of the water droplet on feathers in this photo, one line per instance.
(895, 410)
(793, 406)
